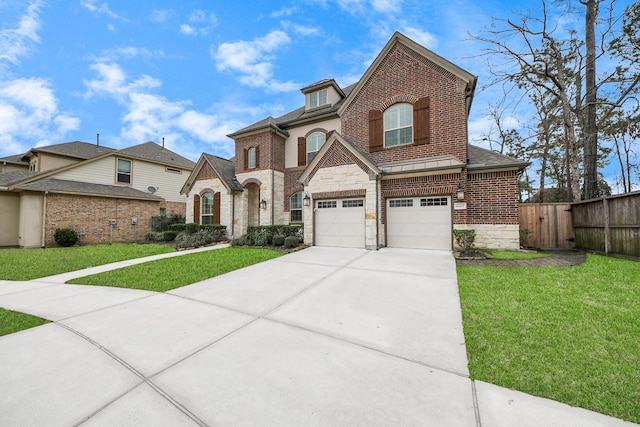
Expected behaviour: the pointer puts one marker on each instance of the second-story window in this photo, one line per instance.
(315, 141)
(318, 98)
(124, 171)
(398, 125)
(251, 156)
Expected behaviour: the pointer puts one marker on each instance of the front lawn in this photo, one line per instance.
(13, 321)
(164, 275)
(516, 255)
(28, 264)
(571, 334)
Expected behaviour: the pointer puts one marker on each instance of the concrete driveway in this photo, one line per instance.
(320, 337)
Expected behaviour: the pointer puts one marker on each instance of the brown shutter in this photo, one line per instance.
(257, 156)
(246, 159)
(216, 208)
(302, 151)
(196, 208)
(421, 121)
(375, 131)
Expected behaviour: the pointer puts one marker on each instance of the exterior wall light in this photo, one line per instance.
(263, 204)
(460, 193)
(306, 201)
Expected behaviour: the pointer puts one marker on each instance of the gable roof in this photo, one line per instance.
(8, 179)
(54, 185)
(155, 153)
(297, 116)
(480, 158)
(17, 159)
(397, 37)
(336, 138)
(225, 169)
(75, 149)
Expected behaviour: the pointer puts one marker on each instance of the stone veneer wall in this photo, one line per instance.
(340, 182)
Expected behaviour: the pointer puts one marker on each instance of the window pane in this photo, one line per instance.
(315, 141)
(322, 95)
(296, 215)
(252, 157)
(313, 99)
(206, 204)
(296, 201)
(124, 166)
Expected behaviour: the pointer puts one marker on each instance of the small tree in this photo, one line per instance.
(465, 239)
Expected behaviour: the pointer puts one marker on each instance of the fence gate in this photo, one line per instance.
(546, 225)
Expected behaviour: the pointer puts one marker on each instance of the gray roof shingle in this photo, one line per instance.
(13, 177)
(480, 158)
(226, 170)
(155, 153)
(76, 149)
(75, 187)
(15, 160)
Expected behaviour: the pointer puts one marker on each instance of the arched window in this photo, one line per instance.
(206, 209)
(315, 141)
(295, 207)
(398, 125)
(251, 158)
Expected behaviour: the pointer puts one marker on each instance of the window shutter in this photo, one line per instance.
(302, 151)
(257, 156)
(216, 208)
(421, 122)
(196, 208)
(246, 159)
(375, 131)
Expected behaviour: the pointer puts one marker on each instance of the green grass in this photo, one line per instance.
(515, 255)
(164, 275)
(571, 334)
(28, 264)
(13, 321)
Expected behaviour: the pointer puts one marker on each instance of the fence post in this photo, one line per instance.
(607, 236)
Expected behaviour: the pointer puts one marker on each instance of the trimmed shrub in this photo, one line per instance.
(65, 237)
(465, 239)
(291, 242)
(164, 222)
(278, 240)
(191, 228)
(239, 241)
(169, 236)
(154, 236)
(193, 240)
(218, 232)
(177, 227)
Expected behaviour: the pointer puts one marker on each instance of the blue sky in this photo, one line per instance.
(194, 71)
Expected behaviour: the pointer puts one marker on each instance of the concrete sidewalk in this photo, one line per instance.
(324, 336)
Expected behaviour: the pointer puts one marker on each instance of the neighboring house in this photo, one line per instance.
(383, 162)
(106, 195)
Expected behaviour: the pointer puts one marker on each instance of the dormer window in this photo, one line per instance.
(318, 98)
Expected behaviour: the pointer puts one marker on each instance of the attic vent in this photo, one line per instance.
(152, 189)
(173, 170)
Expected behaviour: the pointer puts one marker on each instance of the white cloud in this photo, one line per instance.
(100, 9)
(386, 6)
(253, 60)
(285, 11)
(300, 29)
(127, 52)
(161, 15)
(149, 116)
(424, 38)
(17, 42)
(29, 115)
(201, 22)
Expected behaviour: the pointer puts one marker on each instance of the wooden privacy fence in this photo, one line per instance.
(546, 225)
(609, 225)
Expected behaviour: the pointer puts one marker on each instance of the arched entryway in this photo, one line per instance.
(253, 203)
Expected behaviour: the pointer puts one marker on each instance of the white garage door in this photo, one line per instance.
(340, 223)
(419, 223)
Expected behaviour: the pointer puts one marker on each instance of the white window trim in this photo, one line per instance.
(251, 158)
(202, 207)
(297, 208)
(316, 98)
(118, 173)
(390, 110)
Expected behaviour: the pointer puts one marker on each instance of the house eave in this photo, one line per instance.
(426, 172)
(271, 127)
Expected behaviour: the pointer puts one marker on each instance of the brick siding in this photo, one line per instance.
(493, 198)
(263, 141)
(91, 217)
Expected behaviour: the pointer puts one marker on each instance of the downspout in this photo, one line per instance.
(44, 218)
(233, 214)
(273, 179)
(378, 213)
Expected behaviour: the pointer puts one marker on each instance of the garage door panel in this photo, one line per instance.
(419, 222)
(340, 224)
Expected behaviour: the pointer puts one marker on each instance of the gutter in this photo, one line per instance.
(273, 179)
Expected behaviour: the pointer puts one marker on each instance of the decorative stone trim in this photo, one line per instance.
(410, 99)
(206, 190)
(339, 194)
(251, 181)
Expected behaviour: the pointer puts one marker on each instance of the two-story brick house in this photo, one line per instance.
(383, 162)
